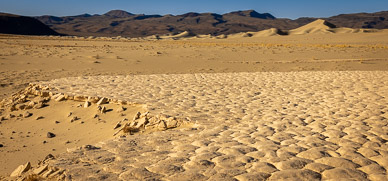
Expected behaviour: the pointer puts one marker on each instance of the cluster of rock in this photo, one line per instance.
(41, 172)
(38, 96)
(31, 97)
(144, 122)
(35, 96)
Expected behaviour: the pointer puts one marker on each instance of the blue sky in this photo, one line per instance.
(280, 8)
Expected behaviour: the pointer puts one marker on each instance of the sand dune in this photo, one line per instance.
(269, 32)
(317, 27)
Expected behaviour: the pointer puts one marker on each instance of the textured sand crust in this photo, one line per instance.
(250, 126)
(26, 59)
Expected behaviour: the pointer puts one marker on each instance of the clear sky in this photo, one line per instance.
(279, 8)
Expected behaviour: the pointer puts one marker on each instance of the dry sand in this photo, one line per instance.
(297, 107)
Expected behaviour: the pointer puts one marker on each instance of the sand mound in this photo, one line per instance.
(176, 36)
(240, 35)
(269, 32)
(323, 27)
(318, 26)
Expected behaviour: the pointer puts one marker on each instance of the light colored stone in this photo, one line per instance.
(47, 173)
(40, 170)
(86, 104)
(102, 101)
(137, 116)
(171, 123)
(103, 109)
(141, 122)
(80, 98)
(27, 114)
(60, 98)
(162, 126)
(120, 109)
(21, 169)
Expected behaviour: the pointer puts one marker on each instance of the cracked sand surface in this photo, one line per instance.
(250, 126)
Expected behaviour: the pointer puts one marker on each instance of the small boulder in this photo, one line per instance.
(60, 98)
(10, 116)
(137, 116)
(75, 118)
(27, 114)
(121, 109)
(102, 109)
(79, 98)
(20, 106)
(142, 122)
(162, 126)
(86, 104)
(171, 122)
(50, 135)
(30, 105)
(38, 105)
(89, 147)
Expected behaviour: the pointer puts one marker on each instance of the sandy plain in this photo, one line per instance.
(297, 107)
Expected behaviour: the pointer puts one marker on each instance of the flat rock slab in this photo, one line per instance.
(299, 125)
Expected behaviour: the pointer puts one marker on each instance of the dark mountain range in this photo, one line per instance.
(122, 23)
(377, 20)
(22, 25)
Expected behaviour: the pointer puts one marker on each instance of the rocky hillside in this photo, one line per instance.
(22, 25)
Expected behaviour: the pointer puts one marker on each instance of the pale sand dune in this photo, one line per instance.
(297, 125)
(177, 36)
(269, 32)
(318, 26)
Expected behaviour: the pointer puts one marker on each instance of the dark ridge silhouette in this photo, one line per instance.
(253, 14)
(377, 20)
(122, 23)
(141, 17)
(22, 25)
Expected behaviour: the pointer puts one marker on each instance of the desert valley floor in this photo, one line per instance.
(298, 107)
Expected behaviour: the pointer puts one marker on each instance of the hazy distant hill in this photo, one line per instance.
(22, 25)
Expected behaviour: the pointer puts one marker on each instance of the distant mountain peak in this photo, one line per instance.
(118, 14)
(253, 14)
(190, 14)
(85, 15)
